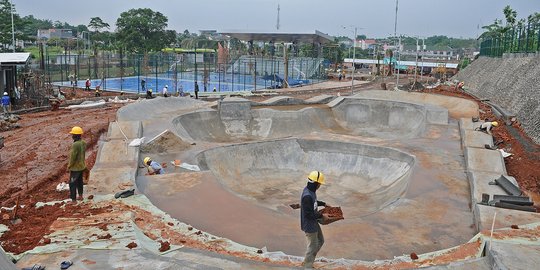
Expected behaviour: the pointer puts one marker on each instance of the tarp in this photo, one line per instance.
(5, 262)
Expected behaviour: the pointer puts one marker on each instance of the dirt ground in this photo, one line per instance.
(34, 161)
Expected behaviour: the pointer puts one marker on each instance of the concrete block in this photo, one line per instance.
(473, 264)
(505, 217)
(234, 109)
(117, 151)
(111, 178)
(466, 123)
(513, 256)
(283, 100)
(131, 130)
(484, 160)
(478, 139)
(321, 99)
(479, 183)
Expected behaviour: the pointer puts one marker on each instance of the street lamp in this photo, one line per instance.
(354, 57)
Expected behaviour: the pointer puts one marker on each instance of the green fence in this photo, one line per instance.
(522, 39)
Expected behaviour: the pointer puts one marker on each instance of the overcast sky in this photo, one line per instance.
(454, 18)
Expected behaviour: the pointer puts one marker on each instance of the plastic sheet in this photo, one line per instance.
(137, 142)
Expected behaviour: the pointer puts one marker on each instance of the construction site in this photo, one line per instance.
(414, 179)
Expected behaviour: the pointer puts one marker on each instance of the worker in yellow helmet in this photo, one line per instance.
(76, 164)
(309, 217)
(152, 166)
(149, 93)
(487, 126)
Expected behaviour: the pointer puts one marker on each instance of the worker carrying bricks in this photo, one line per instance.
(153, 167)
(309, 217)
(76, 164)
(487, 126)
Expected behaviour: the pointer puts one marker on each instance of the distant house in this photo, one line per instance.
(431, 53)
(365, 44)
(54, 33)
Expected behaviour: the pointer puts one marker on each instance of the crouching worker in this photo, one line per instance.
(487, 126)
(153, 167)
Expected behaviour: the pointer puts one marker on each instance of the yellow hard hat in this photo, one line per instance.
(495, 124)
(150, 90)
(146, 159)
(76, 131)
(317, 177)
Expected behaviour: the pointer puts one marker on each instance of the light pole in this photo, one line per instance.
(354, 57)
(12, 26)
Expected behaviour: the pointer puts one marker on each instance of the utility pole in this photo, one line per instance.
(354, 57)
(416, 63)
(12, 26)
(395, 21)
(397, 63)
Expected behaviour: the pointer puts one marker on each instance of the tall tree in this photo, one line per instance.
(142, 30)
(97, 24)
(5, 24)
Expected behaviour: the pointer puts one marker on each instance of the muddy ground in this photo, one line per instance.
(34, 161)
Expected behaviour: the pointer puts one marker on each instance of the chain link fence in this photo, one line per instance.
(180, 72)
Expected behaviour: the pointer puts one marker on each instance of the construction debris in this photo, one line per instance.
(9, 121)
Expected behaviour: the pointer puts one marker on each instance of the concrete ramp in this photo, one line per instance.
(361, 178)
(5, 263)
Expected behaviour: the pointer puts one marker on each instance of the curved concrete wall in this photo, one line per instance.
(362, 178)
(237, 121)
(262, 124)
(381, 117)
(146, 109)
(511, 82)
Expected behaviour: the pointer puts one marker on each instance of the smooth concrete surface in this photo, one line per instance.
(116, 163)
(375, 175)
(457, 107)
(121, 130)
(484, 160)
(438, 193)
(505, 217)
(476, 139)
(185, 258)
(509, 256)
(203, 200)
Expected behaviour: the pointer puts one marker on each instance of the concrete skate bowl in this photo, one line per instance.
(355, 116)
(362, 178)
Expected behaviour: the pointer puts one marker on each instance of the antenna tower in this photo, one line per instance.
(277, 25)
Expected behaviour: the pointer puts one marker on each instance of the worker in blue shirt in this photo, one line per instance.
(5, 102)
(153, 167)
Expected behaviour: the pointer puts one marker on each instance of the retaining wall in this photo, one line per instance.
(512, 82)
